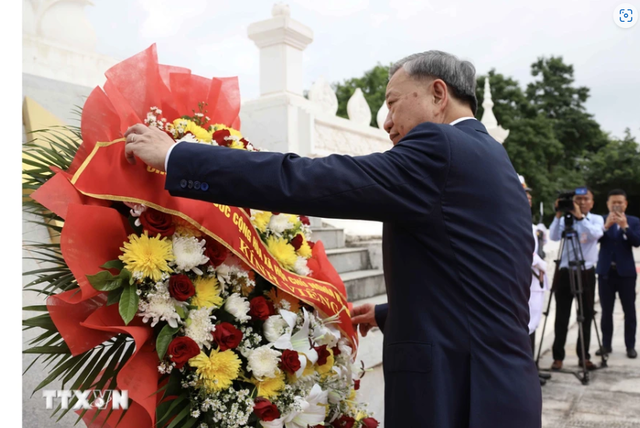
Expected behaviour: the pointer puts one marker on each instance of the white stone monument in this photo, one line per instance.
(489, 119)
(282, 119)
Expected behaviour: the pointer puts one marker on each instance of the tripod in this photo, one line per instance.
(576, 266)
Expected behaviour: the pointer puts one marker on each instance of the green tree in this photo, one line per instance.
(616, 166)
(373, 85)
(555, 96)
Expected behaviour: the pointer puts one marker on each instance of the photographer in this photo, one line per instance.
(617, 270)
(589, 229)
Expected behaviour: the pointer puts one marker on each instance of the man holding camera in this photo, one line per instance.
(617, 270)
(589, 229)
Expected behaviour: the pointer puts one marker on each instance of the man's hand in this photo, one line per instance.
(558, 213)
(611, 220)
(149, 144)
(576, 211)
(365, 317)
(621, 219)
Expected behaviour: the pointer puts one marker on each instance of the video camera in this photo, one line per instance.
(565, 199)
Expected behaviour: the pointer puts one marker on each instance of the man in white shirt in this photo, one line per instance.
(589, 229)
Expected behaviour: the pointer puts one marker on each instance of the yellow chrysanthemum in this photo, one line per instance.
(200, 133)
(207, 292)
(233, 132)
(282, 300)
(282, 251)
(236, 144)
(270, 386)
(147, 255)
(261, 220)
(217, 371)
(305, 249)
(326, 367)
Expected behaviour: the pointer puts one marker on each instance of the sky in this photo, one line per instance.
(352, 36)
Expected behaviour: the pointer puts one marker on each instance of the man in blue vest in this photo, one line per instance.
(457, 241)
(617, 270)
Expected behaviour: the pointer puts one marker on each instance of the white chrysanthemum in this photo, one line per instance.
(263, 362)
(343, 346)
(159, 306)
(274, 327)
(189, 253)
(279, 223)
(238, 306)
(189, 138)
(200, 327)
(301, 267)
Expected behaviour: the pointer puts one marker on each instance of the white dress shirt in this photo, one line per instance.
(461, 119)
(588, 230)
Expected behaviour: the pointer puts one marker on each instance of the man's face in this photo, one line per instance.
(530, 199)
(617, 203)
(585, 202)
(410, 103)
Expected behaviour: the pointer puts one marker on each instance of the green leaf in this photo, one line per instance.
(48, 350)
(104, 281)
(180, 416)
(113, 264)
(114, 296)
(180, 311)
(164, 339)
(128, 303)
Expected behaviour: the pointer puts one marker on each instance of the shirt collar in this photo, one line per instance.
(461, 119)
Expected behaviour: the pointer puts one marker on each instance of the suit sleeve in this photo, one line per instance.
(381, 315)
(403, 183)
(633, 233)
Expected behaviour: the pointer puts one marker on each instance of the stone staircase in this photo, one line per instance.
(358, 263)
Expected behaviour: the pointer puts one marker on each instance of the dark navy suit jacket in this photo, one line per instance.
(457, 249)
(616, 246)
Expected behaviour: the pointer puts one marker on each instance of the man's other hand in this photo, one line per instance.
(149, 144)
(364, 317)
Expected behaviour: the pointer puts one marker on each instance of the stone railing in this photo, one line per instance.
(354, 136)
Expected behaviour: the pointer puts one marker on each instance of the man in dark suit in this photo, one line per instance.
(617, 270)
(457, 241)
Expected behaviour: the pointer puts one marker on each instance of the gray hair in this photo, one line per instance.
(460, 76)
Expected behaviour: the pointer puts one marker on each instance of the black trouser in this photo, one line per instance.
(626, 289)
(564, 300)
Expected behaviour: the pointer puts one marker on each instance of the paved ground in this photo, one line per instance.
(612, 397)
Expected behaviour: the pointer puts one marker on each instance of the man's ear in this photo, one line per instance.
(440, 91)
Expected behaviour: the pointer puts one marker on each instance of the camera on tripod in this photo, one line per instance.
(565, 199)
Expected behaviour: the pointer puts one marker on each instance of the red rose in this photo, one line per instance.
(336, 351)
(344, 422)
(216, 252)
(370, 423)
(305, 220)
(275, 213)
(311, 244)
(289, 361)
(227, 336)
(297, 242)
(323, 354)
(157, 222)
(265, 410)
(181, 287)
(182, 349)
(356, 384)
(219, 137)
(261, 308)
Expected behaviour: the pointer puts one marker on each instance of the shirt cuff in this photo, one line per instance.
(166, 159)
